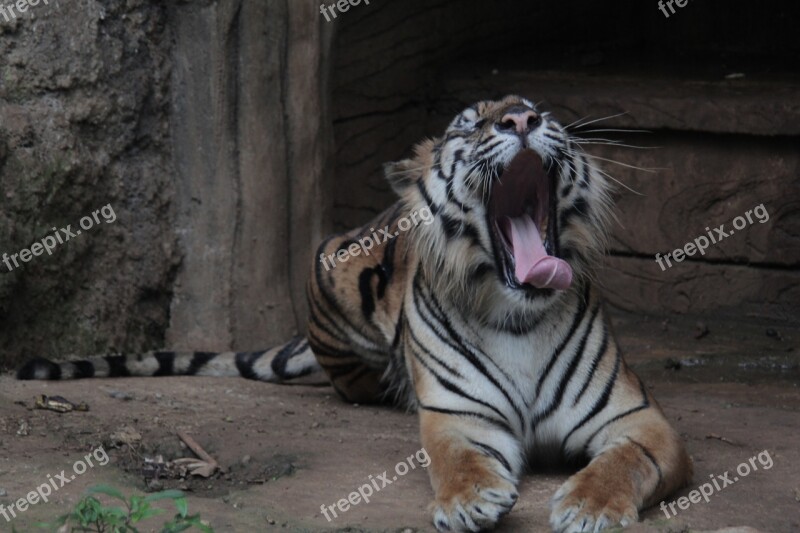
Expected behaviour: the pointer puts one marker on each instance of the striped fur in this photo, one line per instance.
(286, 362)
(500, 373)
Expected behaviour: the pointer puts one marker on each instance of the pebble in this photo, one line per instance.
(3, 493)
(245, 459)
(119, 395)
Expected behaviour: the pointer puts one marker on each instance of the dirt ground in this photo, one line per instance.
(732, 390)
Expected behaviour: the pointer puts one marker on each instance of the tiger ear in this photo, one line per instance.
(402, 174)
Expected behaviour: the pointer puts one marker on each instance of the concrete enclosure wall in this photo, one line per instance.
(251, 138)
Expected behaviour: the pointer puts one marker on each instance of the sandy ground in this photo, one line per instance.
(732, 393)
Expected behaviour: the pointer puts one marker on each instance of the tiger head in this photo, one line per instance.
(520, 212)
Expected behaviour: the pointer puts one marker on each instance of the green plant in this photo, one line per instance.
(90, 515)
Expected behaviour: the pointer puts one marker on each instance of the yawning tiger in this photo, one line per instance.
(484, 320)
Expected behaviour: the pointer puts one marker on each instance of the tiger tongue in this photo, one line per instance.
(531, 263)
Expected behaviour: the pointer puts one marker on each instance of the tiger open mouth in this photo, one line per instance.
(522, 220)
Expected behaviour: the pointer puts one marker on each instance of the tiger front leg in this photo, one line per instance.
(637, 461)
(474, 470)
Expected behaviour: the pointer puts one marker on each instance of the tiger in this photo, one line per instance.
(484, 320)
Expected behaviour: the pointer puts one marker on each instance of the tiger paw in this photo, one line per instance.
(584, 503)
(472, 502)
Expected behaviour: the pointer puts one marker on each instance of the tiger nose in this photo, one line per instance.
(523, 121)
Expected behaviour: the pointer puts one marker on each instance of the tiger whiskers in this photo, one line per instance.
(610, 142)
(613, 130)
(599, 170)
(405, 171)
(578, 124)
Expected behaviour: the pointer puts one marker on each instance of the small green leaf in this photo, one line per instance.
(90, 515)
(175, 527)
(182, 506)
(204, 528)
(144, 514)
(115, 511)
(137, 505)
(198, 523)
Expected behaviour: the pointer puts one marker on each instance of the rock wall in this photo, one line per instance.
(84, 108)
(205, 125)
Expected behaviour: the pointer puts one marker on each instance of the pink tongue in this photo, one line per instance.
(532, 264)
